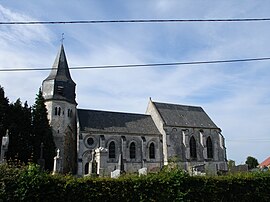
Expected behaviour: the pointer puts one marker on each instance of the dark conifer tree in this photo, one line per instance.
(19, 132)
(4, 107)
(42, 132)
(26, 131)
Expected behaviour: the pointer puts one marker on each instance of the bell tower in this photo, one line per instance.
(58, 90)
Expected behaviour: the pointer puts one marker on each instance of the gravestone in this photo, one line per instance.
(57, 166)
(120, 168)
(4, 147)
(116, 173)
(142, 171)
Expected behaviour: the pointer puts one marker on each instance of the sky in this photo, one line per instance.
(235, 95)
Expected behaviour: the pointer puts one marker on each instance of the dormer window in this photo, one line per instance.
(60, 90)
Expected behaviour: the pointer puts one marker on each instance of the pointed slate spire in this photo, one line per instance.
(59, 84)
(60, 70)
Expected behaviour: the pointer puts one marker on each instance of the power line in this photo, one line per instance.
(134, 21)
(140, 65)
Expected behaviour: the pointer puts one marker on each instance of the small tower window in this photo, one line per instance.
(57, 111)
(69, 112)
(152, 151)
(60, 90)
(132, 150)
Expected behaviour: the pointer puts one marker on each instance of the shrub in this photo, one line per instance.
(29, 183)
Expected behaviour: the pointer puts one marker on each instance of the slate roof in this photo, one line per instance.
(60, 70)
(60, 80)
(184, 116)
(116, 122)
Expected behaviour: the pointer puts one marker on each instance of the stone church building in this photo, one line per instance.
(95, 141)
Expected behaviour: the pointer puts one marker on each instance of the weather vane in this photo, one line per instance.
(62, 39)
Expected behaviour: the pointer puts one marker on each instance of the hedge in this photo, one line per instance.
(30, 184)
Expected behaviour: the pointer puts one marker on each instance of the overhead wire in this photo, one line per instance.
(136, 21)
(133, 21)
(140, 65)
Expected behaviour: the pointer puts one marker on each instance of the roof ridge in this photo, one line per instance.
(182, 105)
(115, 112)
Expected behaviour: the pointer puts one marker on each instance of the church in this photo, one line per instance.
(99, 142)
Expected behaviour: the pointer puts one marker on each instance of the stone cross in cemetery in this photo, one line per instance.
(4, 147)
(57, 166)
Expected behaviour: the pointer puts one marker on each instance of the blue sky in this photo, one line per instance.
(236, 96)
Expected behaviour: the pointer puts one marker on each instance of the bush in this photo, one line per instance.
(28, 183)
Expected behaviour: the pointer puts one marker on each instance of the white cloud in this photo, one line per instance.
(21, 47)
(23, 34)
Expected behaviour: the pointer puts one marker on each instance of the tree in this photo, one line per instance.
(4, 106)
(231, 163)
(42, 132)
(19, 125)
(252, 162)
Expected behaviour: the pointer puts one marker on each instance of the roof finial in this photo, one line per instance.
(62, 39)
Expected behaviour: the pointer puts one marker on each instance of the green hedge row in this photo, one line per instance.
(29, 184)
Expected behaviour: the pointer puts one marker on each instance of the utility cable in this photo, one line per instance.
(140, 65)
(133, 21)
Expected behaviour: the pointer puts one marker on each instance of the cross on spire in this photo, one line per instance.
(62, 38)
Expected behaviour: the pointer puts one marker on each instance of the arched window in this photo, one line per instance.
(152, 151)
(55, 111)
(209, 146)
(132, 150)
(69, 112)
(112, 150)
(86, 169)
(193, 150)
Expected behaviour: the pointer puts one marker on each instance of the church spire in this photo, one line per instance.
(60, 69)
(58, 90)
(59, 84)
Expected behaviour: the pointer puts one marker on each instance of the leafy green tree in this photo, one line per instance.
(252, 162)
(231, 163)
(42, 132)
